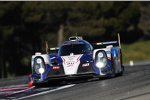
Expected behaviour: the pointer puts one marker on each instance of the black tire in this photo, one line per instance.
(38, 85)
(122, 71)
(114, 65)
(122, 68)
(113, 72)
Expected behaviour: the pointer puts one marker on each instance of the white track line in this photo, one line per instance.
(45, 92)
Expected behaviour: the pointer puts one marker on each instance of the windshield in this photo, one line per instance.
(73, 49)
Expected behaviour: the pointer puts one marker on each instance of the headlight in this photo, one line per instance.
(41, 70)
(100, 54)
(39, 66)
(100, 64)
(39, 60)
(101, 59)
(36, 68)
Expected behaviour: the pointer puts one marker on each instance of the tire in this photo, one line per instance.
(113, 72)
(115, 65)
(122, 71)
(122, 67)
(38, 85)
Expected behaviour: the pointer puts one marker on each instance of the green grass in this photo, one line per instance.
(139, 51)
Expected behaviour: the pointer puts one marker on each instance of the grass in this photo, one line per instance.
(139, 51)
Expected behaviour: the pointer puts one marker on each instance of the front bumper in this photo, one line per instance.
(67, 77)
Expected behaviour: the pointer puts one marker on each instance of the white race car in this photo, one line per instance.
(77, 58)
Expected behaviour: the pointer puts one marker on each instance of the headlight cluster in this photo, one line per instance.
(39, 66)
(102, 63)
(41, 70)
(39, 60)
(101, 60)
(100, 54)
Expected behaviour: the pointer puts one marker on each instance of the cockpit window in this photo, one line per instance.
(74, 49)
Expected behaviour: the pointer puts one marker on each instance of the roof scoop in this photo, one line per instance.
(71, 54)
(75, 38)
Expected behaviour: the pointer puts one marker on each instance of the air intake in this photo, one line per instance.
(75, 38)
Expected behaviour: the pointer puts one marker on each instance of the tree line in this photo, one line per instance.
(24, 27)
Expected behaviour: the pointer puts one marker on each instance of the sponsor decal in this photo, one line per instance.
(71, 64)
(56, 67)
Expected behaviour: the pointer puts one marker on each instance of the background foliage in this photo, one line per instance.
(24, 27)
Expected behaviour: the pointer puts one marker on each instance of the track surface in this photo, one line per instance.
(133, 85)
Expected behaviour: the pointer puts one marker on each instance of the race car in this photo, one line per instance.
(77, 58)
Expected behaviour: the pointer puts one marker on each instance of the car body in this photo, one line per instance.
(78, 58)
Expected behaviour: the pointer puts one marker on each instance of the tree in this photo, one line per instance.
(145, 20)
(25, 26)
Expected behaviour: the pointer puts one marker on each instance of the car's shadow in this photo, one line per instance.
(58, 83)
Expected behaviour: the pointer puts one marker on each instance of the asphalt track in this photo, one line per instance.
(133, 85)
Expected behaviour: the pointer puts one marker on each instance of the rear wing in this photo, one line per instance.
(109, 43)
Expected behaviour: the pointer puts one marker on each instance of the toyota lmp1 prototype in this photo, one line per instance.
(77, 58)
